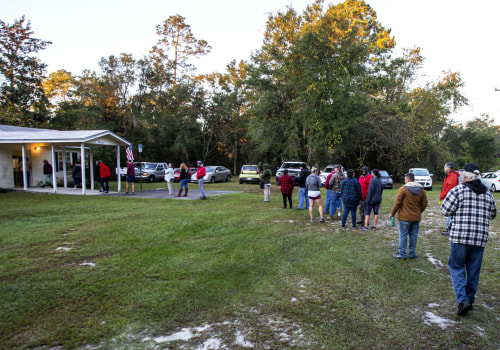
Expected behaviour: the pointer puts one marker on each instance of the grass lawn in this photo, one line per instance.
(230, 272)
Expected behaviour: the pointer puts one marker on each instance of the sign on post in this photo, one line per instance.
(140, 148)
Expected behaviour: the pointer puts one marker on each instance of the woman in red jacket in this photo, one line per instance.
(104, 174)
(450, 181)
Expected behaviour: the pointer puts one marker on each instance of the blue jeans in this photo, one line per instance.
(183, 183)
(448, 219)
(348, 209)
(335, 202)
(327, 203)
(408, 228)
(45, 177)
(202, 191)
(303, 192)
(465, 265)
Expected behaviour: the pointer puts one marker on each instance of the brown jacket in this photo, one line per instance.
(410, 202)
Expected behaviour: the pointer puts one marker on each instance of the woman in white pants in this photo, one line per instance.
(169, 178)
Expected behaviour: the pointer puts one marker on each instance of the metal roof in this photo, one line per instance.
(15, 134)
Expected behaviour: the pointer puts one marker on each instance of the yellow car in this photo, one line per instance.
(249, 173)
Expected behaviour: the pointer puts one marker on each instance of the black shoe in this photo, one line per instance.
(464, 307)
(360, 222)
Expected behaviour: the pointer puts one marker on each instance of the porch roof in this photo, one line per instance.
(15, 134)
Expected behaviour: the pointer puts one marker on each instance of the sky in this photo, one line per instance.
(456, 35)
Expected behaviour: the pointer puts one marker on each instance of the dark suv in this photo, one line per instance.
(293, 170)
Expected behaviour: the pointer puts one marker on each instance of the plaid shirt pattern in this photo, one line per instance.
(351, 192)
(286, 182)
(470, 215)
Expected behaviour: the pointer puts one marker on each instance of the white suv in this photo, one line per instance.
(423, 177)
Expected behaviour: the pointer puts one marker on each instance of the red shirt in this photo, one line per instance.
(286, 183)
(104, 170)
(364, 182)
(450, 181)
(200, 172)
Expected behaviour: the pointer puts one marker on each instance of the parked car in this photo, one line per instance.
(148, 171)
(423, 177)
(249, 173)
(151, 172)
(491, 181)
(214, 174)
(386, 179)
(327, 170)
(177, 173)
(293, 170)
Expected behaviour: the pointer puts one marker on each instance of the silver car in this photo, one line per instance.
(214, 174)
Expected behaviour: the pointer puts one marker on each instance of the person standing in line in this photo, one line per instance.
(303, 195)
(364, 182)
(169, 178)
(336, 188)
(200, 175)
(471, 206)
(328, 205)
(130, 179)
(104, 175)
(47, 173)
(373, 200)
(313, 183)
(410, 202)
(286, 182)
(76, 174)
(184, 180)
(266, 179)
(351, 195)
(450, 180)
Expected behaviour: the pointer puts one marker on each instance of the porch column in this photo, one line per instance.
(118, 167)
(25, 175)
(65, 180)
(91, 168)
(54, 180)
(82, 168)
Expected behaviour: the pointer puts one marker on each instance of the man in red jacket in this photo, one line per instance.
(364, 182)
(104, 174)
(450, 181)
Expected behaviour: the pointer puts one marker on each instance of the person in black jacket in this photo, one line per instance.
(76, 173)
(373, 200)
(303, 195)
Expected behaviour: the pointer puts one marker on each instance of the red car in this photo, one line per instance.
(177, 173)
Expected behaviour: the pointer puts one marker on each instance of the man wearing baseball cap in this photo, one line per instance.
(471, 207)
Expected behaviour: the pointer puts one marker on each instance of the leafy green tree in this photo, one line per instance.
(22, 99)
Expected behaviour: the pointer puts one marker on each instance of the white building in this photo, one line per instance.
(22, 151)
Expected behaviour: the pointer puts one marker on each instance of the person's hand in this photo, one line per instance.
(392, 220)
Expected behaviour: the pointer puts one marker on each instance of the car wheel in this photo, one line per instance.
(241, 182)
(151, 178)
(228, 178)
(493, 188)
(212, 180)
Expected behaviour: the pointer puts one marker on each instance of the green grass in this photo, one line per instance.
(232, 264)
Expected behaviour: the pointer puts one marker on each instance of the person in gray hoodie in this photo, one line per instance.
(410, 202)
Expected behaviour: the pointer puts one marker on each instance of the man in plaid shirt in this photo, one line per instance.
(471, 207)
(286, 182)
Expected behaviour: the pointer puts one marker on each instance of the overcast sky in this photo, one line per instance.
(456, 35)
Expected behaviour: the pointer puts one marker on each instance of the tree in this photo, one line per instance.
(175, 35)
(22, 99)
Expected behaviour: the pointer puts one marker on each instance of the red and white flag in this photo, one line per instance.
(130, 153)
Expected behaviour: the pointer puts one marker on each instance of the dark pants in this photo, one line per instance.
(105, 184)
(285, 196)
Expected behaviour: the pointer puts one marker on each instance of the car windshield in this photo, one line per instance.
(291, 165)
(420, 172)
(210, 169)
(250, 168)
(384, 173)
